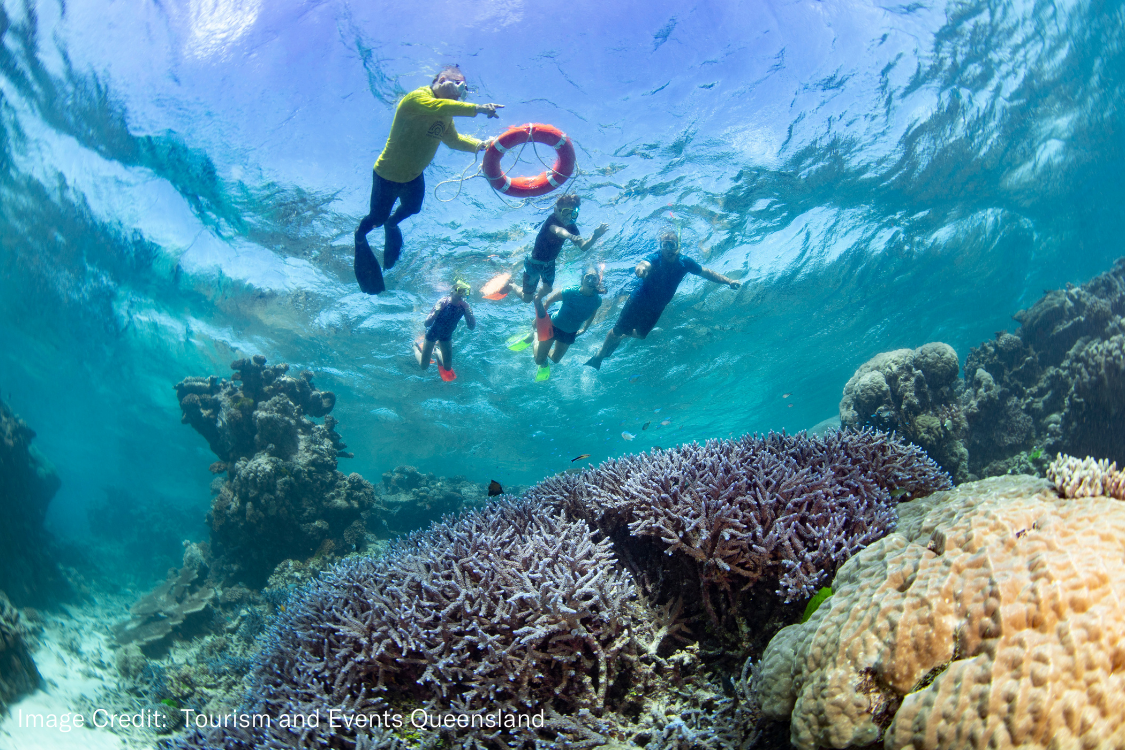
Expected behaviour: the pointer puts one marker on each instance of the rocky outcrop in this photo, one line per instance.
(18, 674)
(28, 572)
(282, 496)
(1056, 386)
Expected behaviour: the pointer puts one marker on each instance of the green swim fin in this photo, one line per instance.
(519, 342)
(543, 373)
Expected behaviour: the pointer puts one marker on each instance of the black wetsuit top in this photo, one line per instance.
(548, 244)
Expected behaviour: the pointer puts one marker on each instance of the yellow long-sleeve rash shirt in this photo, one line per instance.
(422, 121)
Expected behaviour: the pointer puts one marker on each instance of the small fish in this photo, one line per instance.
(666, 422)
(899, 492)
(790, 406)
(579, 458)
(495, 489)
(633, 378)
(646, 424)
(786, 395)
(628, 435)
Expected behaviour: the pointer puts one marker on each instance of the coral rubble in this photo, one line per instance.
(993, 617)
(28, 571)
(283, 496)
(913, 392)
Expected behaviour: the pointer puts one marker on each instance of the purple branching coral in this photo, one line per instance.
(511, 607)
(792, 508)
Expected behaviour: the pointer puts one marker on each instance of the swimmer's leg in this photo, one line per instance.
(446, 354)
(560, 350)
(411, 196)
(427, 350)
(612, 340)
(367, 271)
(541, 352)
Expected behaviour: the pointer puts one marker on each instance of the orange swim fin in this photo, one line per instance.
(543, 325)
(447, 375)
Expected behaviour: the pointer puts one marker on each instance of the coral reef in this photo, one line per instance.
(526, 607)
(18, 674)
(175, 608)
(29, 572)
(283, 496)
(413, 499)
(786, 508)
(1057, 385)
(993, 617)
(1087, 477)
(913, 392)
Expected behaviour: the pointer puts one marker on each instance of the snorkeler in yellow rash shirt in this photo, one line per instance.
(423, 118)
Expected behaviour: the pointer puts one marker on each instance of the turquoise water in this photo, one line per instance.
(179, 183)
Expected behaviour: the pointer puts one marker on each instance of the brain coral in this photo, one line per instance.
(993, 618)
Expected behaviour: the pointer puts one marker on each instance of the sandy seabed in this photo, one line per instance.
(75, 658)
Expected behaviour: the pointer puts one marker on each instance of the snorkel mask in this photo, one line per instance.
(461, 287)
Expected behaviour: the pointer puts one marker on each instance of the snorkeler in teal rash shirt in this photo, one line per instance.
(660, 275)
(579, 305)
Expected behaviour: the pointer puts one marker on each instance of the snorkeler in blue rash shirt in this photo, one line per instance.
(660, 275)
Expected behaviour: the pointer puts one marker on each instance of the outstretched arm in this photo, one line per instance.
(552, 298)
(718, 278)
(585, 244)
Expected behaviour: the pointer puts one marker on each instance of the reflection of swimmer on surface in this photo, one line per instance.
(660, 275)
(560, 226)
(423, 119)
(579, 304)
(440, 324)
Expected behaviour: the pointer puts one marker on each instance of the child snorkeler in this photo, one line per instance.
(579, 305)
(440, 324)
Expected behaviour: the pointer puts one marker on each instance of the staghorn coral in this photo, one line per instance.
(993, 618)
(28, 571)
(1087, 477)
(512, 607)
(785, 508)
(913, 392)
(283, 496)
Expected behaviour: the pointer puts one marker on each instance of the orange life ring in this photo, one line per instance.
(542, 183)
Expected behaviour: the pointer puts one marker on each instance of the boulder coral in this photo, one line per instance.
(994, 617)
(913, 392)
(282, 496)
